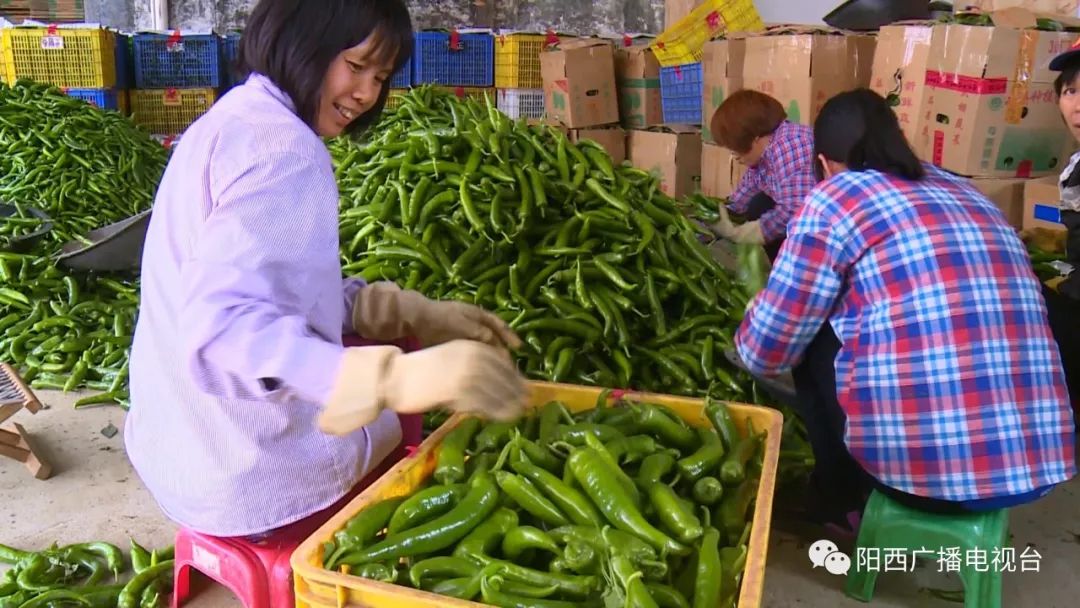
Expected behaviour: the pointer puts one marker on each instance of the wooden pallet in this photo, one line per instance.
(15, 442)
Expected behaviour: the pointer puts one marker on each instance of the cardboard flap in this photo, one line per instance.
(584, 43)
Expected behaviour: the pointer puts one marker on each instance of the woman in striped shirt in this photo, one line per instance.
(929, 369)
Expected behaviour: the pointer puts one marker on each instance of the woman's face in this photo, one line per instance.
(351, 87)
(1069, 103)
(753, 156)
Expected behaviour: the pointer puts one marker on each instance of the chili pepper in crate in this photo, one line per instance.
(708, 491)
(652, 420)
(709, 575)
(486, 537)
(439, 533)
(441, 567)
(632, 449)
(530, 499)
(571, 502)
(450, 464)
(730, 516)
(490, 591)
(732, 563)
(601, 485)
(494, 436)
(666, 596)
(524, 538)
(632, 582)
(551, 414)
(705, 459)
(574, 585)
(462, 588)
(655, 467)
(605, 540)
(362, 528)
(574, 434)
(733, 470)
(424, 506)
(675, 517)
(540, 456)
(580, 557)
(718, 413)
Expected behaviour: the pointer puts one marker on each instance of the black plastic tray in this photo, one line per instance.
(20, 244)
(864, 15)
(113, 248)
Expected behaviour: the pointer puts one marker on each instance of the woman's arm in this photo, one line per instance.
(803, 288)
(750, 184)
(272, 229)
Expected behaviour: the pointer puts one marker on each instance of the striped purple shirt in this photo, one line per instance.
(240, 322)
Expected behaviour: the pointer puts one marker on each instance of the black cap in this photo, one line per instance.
(1066, 58)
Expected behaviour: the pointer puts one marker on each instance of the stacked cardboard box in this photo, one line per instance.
(804, 67)
(637, 75)
(580, 92)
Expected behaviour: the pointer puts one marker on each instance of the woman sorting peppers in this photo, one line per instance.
(930, 371)
(780, 157)
(247, 413)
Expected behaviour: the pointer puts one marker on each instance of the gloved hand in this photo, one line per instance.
(462, 376)
(383, 311)
(749, 232)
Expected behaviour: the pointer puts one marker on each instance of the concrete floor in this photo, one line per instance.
(95, 495)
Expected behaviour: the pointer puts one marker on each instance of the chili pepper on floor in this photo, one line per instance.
(132, 592)
(439, 533)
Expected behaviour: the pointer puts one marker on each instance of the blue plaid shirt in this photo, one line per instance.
(949, 376)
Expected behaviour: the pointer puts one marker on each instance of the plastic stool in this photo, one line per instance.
(258, 572)
(887, 524)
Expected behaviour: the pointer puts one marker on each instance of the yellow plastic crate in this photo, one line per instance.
(477, 93)
(393, 100)
(317, 587)
(685, 41)
(517, 61)
(65, 57)
(169, 111)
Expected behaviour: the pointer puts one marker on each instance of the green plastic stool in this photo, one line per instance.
(887, 524)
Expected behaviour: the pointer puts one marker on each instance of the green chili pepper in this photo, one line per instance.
(525, 494)
(424, 506)
(450, 467)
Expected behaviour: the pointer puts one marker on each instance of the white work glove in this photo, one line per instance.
(749, 233)
(461, 376)
(383, 311)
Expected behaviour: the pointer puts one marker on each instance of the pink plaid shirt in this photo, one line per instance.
(785, 173)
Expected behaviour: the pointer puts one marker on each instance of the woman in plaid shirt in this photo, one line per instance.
(930, 372)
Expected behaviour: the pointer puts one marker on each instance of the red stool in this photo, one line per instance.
(258, 572)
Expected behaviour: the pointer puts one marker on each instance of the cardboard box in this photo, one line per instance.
(1042, 204)
(676, 10)
(722, 66)
(1068, 8)
(674, 154)
(899, 72)
(990, 109)
(720, 171)
(637, 76)
(1007, 194)
(805, 68)
(612, 139)
(579, 83)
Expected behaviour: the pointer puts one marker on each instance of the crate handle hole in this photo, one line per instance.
(592, 92)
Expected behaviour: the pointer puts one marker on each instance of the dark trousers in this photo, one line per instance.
(1063, 313)
(840, 482)
(758, 205)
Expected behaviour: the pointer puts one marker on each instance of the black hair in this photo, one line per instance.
(293, 43)
(1067, 76)
(859, 129)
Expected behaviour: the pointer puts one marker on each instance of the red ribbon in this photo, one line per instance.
(678, 72)
(455, 40)
(713, 19)
(174, 39)
(460, 92)
(627, 40)
(51, 30)
(552, 39)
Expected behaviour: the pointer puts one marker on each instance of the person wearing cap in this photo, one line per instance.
(907, 305)
(779, 154)
(1063, 293)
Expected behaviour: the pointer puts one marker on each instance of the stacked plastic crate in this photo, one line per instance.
(461, 61)
(399, 85)
(680, 93)
(177, 77)
(87, 63)
(520, 89)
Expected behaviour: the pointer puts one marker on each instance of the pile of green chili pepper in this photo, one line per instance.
(84, 167)
(620, 505)
(86, 574)
(598, 271)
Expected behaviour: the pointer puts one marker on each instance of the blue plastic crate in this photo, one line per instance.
(230, 53)
(681, 93)
(402, 79)
(472, 65)
(106, 99)
(195, 61)
(125, 76)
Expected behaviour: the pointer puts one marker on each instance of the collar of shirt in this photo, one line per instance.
(768, 157)
(264, 83)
